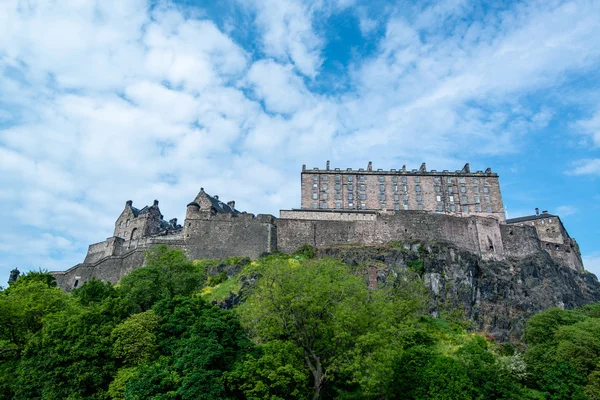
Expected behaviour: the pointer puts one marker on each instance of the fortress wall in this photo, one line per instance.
(519, 241)
(486, 232)
(97, 251)
(567, 254)
(228, 237)
(404, 226)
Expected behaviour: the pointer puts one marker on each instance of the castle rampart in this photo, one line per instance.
(213, 229)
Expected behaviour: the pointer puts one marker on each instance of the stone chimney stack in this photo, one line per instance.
(231, 204)
(155, 203)
(537, 211)
(216, 197)
(327, 165)
(545, 212)
(370, 166)
(303, 167)
(173, 222)
(423, 168)
(129, 203)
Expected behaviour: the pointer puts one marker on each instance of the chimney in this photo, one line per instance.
(370, 166)
(327, 165)
(216, 197)
(466, 169)
(537, 211)
(423, 168)
(129, 203)
(303, 167)
(545, 212)
(231, 204)
(404, 168)
(155, 203)
(173, 222)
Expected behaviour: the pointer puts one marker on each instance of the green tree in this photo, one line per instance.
(135, 339)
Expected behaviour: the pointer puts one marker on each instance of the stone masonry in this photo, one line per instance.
(214, 229)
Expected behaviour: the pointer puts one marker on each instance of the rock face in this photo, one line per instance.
(498, 296)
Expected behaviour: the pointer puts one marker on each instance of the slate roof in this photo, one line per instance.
(530, 218)
(217, 204)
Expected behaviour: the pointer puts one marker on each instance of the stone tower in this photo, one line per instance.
(14, 275)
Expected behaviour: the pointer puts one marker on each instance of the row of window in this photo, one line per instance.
(403, 179)
(121, 224)
(362, 188)
(439, 207)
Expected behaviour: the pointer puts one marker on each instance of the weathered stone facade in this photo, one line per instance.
(459, 193)
(213, 229)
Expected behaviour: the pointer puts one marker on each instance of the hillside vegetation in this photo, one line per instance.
(299, 327)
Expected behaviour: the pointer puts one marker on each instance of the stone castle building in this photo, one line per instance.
(360, 207)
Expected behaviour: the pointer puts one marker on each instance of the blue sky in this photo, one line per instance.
(105, 101)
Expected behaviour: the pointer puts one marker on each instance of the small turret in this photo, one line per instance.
(14, 275)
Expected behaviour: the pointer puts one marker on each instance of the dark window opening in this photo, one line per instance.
(510, 232)
(76, 283)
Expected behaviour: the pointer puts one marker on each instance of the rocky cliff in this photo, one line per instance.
(496, 295)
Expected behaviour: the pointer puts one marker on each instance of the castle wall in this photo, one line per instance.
(519, 241)
(226, 235)
(567, 253)
(403, 226)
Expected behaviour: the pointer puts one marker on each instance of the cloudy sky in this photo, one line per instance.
(109, 100)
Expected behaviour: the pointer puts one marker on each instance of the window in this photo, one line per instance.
(315, 196)
(121, 224)
(397, 207)
(382, 188)
(417, 179)
(487, 199)
(405, 197)
(315, 177)
(396, 197)
(478, 208)
(363, 196)
(362, 178)
(381, 179)
(549, 220)
(449, 180)
(350, 205)
(418, 188)
(486, 190)
(420, 207)
(484, 181)
(404, 188)
(323, 205)
(405, 206)
(324, 196)
(452, 208)
(463, 189)
(338, 196)
(382, 206)
(324, 178)
(488, 208)
(314, 205)
(315, 186)
(350, 196)
(419, 197)
(465, 209)
(395, 188)
(474, 180)
(338, 205)
(363, 206)
(349, 178)
(338, 186)
(436, 179)
(338, 178)
(437, 189)
(450, 190)
(439, 207)
(126, 223)
(463, 198)
(350, 187)
(362, 187)
(403, 179)
(476, 189)
(477, 199)
(438, 198)
(451, 199)
(461, 180)
(395, 179)
(323, 186)
(382, 197)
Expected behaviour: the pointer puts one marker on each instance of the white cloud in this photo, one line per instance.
(591, 128)
(586, 167)
(104, 102)
(564, 211)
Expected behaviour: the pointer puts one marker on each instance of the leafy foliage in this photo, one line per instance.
(309, 328)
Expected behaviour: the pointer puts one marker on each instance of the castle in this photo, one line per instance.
(338, 207)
